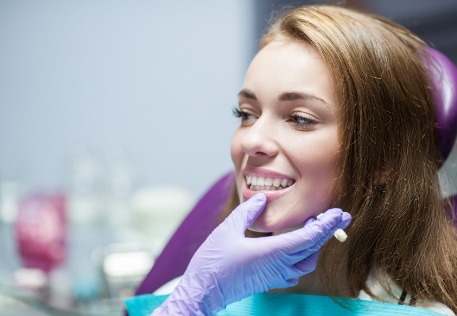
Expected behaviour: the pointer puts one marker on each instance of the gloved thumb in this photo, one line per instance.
(246, 213)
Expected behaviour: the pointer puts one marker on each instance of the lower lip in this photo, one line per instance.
(270, 195)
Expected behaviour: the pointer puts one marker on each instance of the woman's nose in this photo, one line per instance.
(259, 140)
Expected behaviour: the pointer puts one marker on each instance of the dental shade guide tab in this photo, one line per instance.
(340, 235)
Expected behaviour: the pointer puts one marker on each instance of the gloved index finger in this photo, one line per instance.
(246, 213)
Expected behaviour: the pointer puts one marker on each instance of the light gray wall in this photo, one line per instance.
(156, 78)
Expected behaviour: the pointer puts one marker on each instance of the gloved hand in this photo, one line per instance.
(229, 266)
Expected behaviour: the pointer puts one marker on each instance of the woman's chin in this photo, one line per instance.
(287, 229)
(260, 225)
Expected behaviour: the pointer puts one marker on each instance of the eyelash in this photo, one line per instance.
(240, 114)
(305, 121)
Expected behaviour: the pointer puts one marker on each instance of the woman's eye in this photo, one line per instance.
(302, 121)
(243, 115)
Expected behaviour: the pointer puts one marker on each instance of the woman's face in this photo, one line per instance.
(287, 142)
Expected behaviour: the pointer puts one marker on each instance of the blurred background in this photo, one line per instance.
(115, 117)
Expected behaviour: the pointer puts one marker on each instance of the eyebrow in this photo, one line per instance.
(248, 94)
(295, 95)
(285, 96)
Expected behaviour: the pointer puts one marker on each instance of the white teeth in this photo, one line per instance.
(263, 188)
(267, 184)
(276, 182)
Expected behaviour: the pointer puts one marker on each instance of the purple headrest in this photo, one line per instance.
(443, 77)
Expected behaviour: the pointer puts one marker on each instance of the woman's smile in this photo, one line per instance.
(272, 183)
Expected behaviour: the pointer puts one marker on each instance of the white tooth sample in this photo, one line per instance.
(340, 235)
(276, 183)
(284, 182)
(268, 182)
(248, 179)
(261, 181)
(254, 180)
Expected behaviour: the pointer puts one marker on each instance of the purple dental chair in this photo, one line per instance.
(203, 218)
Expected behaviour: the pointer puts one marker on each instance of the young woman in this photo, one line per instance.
(336, 112)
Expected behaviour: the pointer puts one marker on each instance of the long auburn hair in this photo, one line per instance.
(389, 154)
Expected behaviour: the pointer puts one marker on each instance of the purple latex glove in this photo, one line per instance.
(229, 266)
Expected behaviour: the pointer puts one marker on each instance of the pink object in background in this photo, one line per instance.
(41, 231)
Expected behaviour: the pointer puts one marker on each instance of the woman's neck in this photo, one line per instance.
(308, 284)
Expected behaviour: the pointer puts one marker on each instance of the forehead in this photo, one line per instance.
(287, 65)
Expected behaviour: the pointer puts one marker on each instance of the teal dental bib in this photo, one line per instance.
(289, 305)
